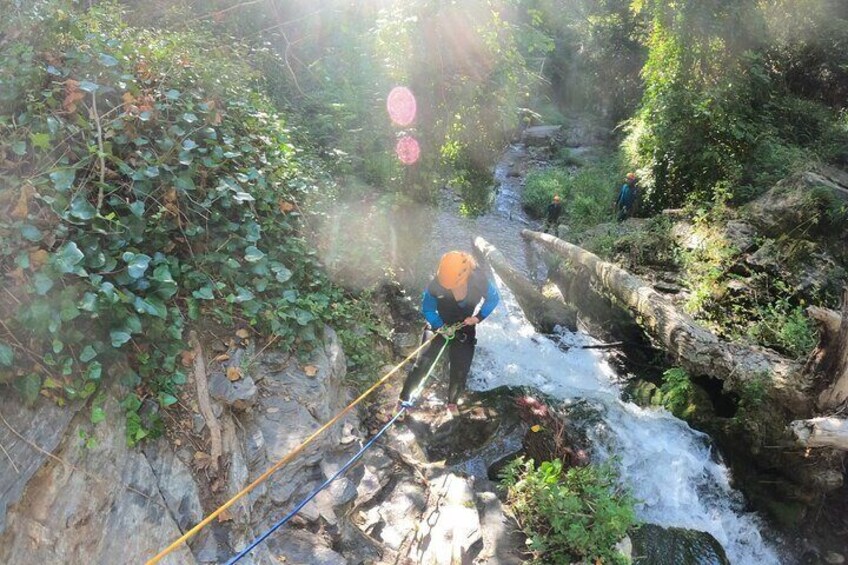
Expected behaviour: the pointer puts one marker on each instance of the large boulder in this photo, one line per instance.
(655, 545)
(811, 202)
(540, 136)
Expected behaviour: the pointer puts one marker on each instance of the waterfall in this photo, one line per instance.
(672, 469)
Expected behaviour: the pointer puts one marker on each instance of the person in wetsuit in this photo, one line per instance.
(461, 292)
(552, 215)
(626, 201)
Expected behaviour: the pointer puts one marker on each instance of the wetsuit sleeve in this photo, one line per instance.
(492, 299)
(428, 308)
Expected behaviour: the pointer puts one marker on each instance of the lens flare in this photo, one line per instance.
(401, 106)
(407, 150)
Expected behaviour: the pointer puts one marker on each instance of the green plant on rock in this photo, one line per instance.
(784, 327)
(568, 515)
(676, 393)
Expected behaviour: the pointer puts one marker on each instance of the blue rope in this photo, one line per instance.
(314, 493)
(404, 406)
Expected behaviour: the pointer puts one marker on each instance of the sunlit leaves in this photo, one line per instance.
(81, 208)
(252, 254)
(137, 263)
(67, 258)
(188, 225)
(31, 233)
(107, 61)
(119, 337)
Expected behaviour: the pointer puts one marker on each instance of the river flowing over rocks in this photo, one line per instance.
(422, 495)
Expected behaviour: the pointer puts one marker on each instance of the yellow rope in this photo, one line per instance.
(264, 476)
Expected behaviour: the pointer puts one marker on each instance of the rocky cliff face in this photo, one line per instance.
(114, 504)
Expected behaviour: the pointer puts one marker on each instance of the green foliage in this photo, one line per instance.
(150, 185)
(568, 515)
(784, 327)
(676, 393)
(751, 396)
(764, 307)
(588, 194)
(597, 55)
(541, 185)
(720, 103)
(468, 65)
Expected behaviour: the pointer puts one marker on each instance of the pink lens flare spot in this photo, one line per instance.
(408, 150)
(401, 106)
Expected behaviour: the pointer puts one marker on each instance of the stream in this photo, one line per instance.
(673, 470)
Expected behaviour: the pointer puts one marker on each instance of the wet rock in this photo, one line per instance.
(300, 547)
(114, 508)
(397, 516)
(503, 541)
(377, 472)
(293, 405)
(240, 394)
(740, 235)
(44, 425)
(804, 264)
(449, 532)
(540, 135)
(238, 473)
(655, 545)
(175, 482)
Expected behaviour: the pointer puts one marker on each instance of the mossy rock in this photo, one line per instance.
(655, 545)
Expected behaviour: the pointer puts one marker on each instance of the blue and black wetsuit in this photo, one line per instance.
(440, 308)
(626, 200)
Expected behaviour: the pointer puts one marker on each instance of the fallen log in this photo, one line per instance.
(692, 346)
(543, 311)
(831, 357)
(821, 432)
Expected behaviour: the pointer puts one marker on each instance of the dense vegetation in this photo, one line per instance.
(738, 95)
(575, 514)
(172, 164)
(147, 185)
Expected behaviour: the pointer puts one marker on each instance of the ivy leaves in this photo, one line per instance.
(185, 224)
(137, 264)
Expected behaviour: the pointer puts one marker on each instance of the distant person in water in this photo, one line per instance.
(461, 292)
(552, 216)
(625, 202)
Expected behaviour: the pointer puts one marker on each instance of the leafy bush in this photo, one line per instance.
(541, 185)
(587, 194)
(725, 102)
(149, 185)
(785, 328)
(568, 515)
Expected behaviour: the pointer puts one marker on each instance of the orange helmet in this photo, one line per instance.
(556, 198)
(454, 269)
(631, 176)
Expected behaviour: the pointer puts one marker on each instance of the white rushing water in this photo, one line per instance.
(670, 467)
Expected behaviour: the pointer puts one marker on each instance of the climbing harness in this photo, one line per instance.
(351, 462)
(291, 455)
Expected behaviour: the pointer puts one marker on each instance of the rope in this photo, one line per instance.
(264, 476)
(404, 407)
